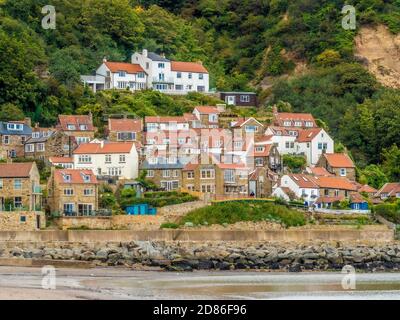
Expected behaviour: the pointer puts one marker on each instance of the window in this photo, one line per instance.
(81, 140)
(68, 207)
(126, 136)
(17, 184)
(287, 123)
(179, 87)
(122, 158)
(85, 209)
(1, 184)
(161, 86)
(251, 129)
(201, 76)
(190, 175)
(190, 187)
(122, 74)
(23, 139)
(201, 88)
(86, 178)
(35, 134)
(71, 127)
(229, 175)
(114, 172)
(166, 174)
(84, 158)
(161, 65)
(259, 162)
(207, 188)
(83, 127)
(336, 193)
(175, 173)
(40, 147)
(207, 173)
(15, 126)
(108, 158)
(22, 219)
(292, 145)
(150, 173)
(122, 84)
(6, 139)
(68, 192)
(88, 192)
(190, 75)
(259, 149)
(29, 148)
(309, 124)
(179, 75)
(161, 77)
(147, 65)
(18, 202)
(141, 75)
(67, 177)
(343, 172)
(297, 123)
(244, 98)
(213, 118)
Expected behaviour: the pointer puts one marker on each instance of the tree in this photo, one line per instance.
(328, 58)
(373, 176)
(391, 163)
(295, 163)
(11, 112)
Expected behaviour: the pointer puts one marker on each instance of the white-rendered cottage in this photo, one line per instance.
(109, 159)
(117, 75)
(173, 77)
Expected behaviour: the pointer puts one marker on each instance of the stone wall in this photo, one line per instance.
(175, 212)
(187, 256)
(378, 234)
(21, 221)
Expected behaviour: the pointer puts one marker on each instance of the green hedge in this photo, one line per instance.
(232, 212)
(390, 211)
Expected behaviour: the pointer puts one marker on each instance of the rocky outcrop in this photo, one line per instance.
(188, 256)
(379, 50)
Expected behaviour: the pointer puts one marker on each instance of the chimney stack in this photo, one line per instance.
(145, 52)
(275, 110)
(104, 60)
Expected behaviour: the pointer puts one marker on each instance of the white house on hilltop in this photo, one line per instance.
(117, 75)
(173, 77)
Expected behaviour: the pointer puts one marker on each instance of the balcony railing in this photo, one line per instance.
(98, 213)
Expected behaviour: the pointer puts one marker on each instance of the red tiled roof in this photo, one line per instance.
(294, 116)
(125, 125)
(76, 176)
(61, 160)
(334, 183)
(390, 188)
(232, 166)
(307, 135)
(265, 153)
(355, 197)
(207, 109)
(339, 160)
(15, 170)
(76, 120)
(158, 119)
(326, 199)
(241, 122)
(320, 171)
(124, 66)
(303, 181)
(110, 147)
(195, 67)
(189, 117)
(368, 189)
(190, 166)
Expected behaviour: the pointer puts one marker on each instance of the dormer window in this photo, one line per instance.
(67, 177)
(35, 134)
(83, 127)
(259, 149)
(86, 178)
(287, 123)
(297, 124)
(71, 127)
(15, 126)
(309, 124)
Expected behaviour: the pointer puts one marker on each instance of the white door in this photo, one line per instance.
(230, 100)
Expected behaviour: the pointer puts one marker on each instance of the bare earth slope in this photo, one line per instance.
(380, 51)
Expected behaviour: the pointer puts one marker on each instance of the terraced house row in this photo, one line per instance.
(207, 152)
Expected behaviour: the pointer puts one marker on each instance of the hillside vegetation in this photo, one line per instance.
(242, 43)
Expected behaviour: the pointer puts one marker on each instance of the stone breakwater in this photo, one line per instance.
(188, 256)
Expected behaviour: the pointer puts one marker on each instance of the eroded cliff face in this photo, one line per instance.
(379, 50)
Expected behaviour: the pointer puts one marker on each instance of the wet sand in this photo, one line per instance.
(113, 283)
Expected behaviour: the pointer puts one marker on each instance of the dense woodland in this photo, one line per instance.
(242, 42)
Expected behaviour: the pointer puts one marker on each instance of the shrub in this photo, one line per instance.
(232, 212)
(390, 211)
(169, 225)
